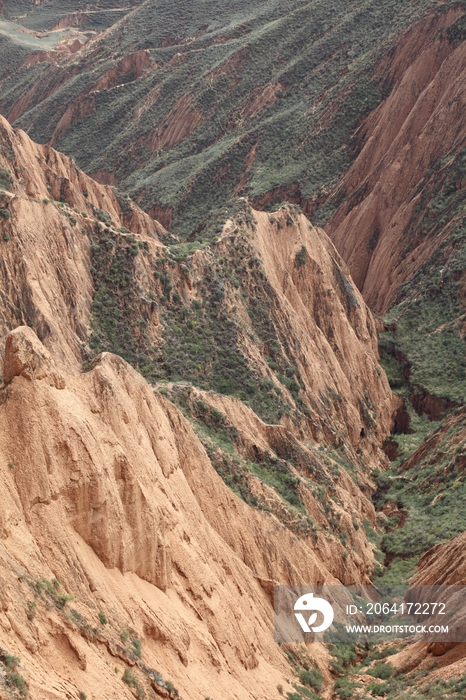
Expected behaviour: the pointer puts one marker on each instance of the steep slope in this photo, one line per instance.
(299, 348)
(110, 498)
(153, 521)
(293, 337)
(400, 225)
(168, 510)
(403, 194)
(399, 219)
(38, 231)
(260, 98)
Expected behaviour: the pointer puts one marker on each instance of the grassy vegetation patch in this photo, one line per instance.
(221, 441)
(6, 179)
(120, 313)
(414, 686)
(432, 493)
(423, 353)
(202, 342)
(269, 95)
(10, 678)
(428, 323)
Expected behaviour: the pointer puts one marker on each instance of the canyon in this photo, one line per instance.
(206, 393)
(112, 497)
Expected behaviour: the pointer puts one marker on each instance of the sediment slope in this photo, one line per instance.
(401, 195)
(282, 327)
(169, 530)
(107, 489)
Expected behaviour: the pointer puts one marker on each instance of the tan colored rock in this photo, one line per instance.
(170, 553)
(46, 259)
(328, 325)
(331, 336)
(444, 564)
(108, 495)
(26, 356)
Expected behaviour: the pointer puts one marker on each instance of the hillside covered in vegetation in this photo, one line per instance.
(260, 98)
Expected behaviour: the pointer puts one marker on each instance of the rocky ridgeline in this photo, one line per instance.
(119, 507)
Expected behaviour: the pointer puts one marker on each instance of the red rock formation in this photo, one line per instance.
(419, 122)
(110, 497)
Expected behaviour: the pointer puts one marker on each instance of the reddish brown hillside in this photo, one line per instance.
(136, 540)
(299, 315)
(379, 229)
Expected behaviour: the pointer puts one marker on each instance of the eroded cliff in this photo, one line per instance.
(395, 212)
(108, 490)
(169, 530)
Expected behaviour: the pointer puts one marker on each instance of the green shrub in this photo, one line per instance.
(10, 661)
(102, 215)
(136, 647)
(19, 682)
(102, 618)
(63, 599)
(312, 677)
(5, 178)
(381, 670)
(129, 678)
(32, 609)
(345, 688)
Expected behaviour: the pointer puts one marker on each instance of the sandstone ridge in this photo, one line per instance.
(382, 228)
(113, 496)
(109, 492)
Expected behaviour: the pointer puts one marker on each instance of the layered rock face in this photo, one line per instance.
(113, 497)
(108, 490)
(146, 515)
(45, 273)
(387, 227)
(325, 330)
(298, 315)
